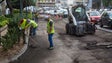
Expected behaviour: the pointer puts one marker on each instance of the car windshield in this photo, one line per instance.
(79, 13)
(94, 14)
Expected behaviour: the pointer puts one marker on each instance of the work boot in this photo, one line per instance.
(109, 46)
(51, 48)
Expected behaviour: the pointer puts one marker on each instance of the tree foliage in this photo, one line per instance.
(1, 1)
(16, 3)
(97, 3)
(107, 3)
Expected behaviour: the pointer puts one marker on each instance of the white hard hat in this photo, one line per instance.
(28, 20)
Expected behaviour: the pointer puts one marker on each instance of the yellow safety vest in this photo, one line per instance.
(48, 27)
(23, 24)
(32, 23)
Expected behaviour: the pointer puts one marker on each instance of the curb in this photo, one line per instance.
(16, 56)
(22, 51)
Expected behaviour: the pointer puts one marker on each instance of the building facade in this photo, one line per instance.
(72, 2)
(81, 1)
(45, 3)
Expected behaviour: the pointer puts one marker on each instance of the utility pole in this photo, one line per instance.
(102, 4)
(83, 2)
(21, 7)
(90, 4)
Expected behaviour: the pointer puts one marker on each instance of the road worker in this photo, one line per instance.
(50, 31)
(22, 25)
(33, 26)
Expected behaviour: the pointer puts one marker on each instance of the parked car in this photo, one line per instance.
(94, 16)
(31, 8)
(106, 19)
(65, 14)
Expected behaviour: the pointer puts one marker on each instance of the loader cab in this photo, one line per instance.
(79, 13)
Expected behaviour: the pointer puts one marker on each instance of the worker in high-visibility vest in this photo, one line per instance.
(33, 25)
(22, 24)
(50, 31)
(25, 23)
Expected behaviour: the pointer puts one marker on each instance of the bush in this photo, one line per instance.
(13, 34)
(3, 21)
(16, 11)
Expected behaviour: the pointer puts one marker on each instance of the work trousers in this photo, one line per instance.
(50, 36)
(33, 31)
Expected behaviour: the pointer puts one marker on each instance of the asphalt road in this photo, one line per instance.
(68, 49)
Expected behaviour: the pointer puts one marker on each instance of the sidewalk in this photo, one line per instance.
(17, 55)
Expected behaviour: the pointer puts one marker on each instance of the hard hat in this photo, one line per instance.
(28, 20)
(47, 17)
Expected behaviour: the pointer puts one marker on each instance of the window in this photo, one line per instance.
(79, 13)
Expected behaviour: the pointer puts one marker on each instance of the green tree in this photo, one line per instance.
(1, 1)
(107, 3)
(16, 4)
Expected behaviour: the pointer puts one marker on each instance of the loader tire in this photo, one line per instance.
(71, 29)
(101, 24)
(93, 30)
(67, 28)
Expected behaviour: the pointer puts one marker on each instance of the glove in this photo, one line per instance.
(20, 28)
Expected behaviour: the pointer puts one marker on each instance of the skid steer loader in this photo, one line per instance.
(79, 22)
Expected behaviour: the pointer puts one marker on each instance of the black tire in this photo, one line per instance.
(78, 31)
(93, 30)
(101, 25)
(71, 29)
(67, 28)
(110, 26)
